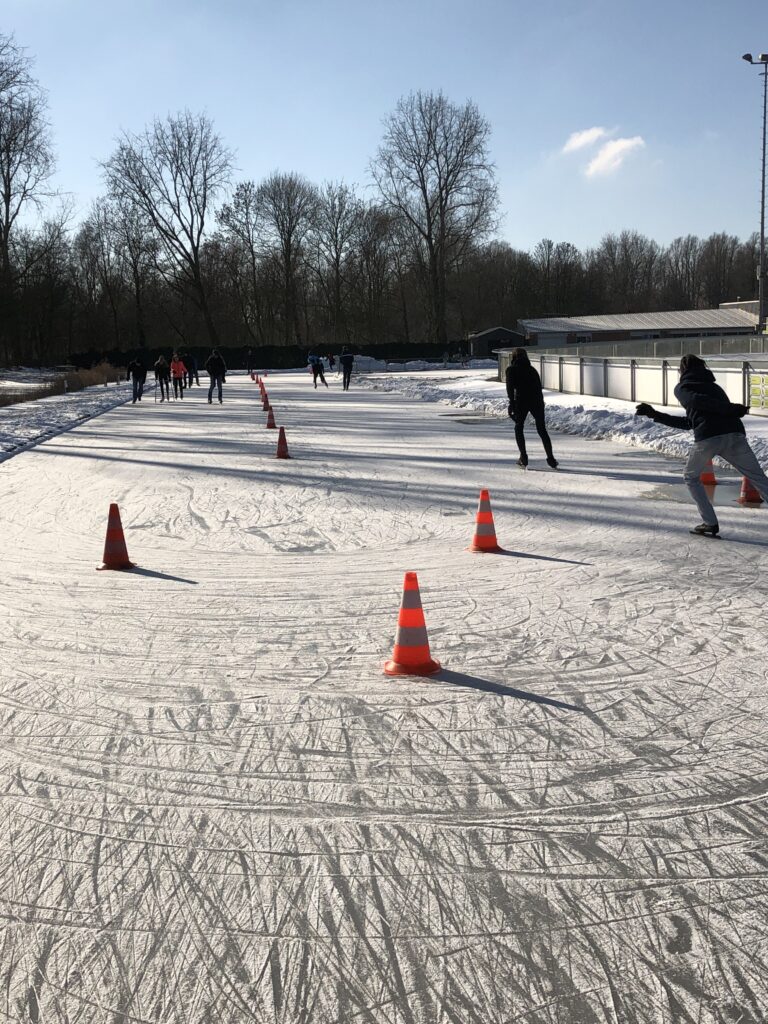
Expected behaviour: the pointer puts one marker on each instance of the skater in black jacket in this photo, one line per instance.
(216, 369)
(525, 396)
(717, 430)
(163, 378)
(346, 361)
(137, 371)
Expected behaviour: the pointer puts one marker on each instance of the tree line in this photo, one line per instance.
(178, 253)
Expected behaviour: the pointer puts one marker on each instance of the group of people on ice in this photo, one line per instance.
(716, 423)
(182, 372)
(346, 362)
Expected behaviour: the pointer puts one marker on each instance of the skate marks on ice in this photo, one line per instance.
(428, 854)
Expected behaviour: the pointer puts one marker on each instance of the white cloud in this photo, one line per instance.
(612, 155)
(579, 140)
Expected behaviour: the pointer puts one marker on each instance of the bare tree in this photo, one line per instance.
(373, 280)
(334, 233)
(287, 205)
(433, 170)
(172, 174)
(26, 166)
(681, 273)
(245, 254)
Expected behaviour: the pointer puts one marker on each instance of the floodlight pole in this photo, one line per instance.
(762, 292)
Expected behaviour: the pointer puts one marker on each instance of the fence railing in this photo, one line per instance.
(645, 380)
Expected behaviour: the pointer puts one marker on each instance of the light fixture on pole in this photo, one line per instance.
(762, 295)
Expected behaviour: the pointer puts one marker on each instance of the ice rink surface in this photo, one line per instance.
(218, 809)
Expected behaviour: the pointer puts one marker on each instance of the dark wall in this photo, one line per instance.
(269, 356)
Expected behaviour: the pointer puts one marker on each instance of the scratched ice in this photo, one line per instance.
(217, 807)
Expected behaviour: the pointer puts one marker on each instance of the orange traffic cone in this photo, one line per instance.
(411, 654)
(282, 445)
(708, 474)
(115, 551)
(271, 425)
(749, 493)
(253, 375)
(485, 532)
(265, 403)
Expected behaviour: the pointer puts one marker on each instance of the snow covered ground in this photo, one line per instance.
(217, 807)
(604, 418)
(28, 423)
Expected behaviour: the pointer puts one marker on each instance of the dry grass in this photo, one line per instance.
(74, 380)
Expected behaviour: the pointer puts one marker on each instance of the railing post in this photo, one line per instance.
(664, 382)
(581, 375)
(745, 388)
(605, 378)
(632, 381)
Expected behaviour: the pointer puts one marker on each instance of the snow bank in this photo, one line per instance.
(606, 419)
(29, 423)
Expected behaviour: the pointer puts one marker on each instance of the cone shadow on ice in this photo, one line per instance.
(139, 571)
(539, 558)
(486, 686)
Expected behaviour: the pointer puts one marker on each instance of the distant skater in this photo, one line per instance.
(525, 396)
(717, 430)
(137, 372)
(331, 362)
(346, 362)
(316, 363)
(178, 373)
(216, 370)
(163, 378)
(190, 364)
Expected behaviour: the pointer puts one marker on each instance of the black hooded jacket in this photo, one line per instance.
(709, 411)
(137, 370)
(524, 387)
(215, 366)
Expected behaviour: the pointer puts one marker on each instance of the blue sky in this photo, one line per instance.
(303, 85)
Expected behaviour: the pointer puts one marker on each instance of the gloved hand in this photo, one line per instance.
(511, 411)
(645, 410)
(739, 410)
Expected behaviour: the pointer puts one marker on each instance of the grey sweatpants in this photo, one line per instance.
(734, 449)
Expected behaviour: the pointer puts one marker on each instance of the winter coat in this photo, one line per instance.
(137, 371)
(346, 360)
(709, 411)
(215, 366)
(524, 388)
(178, 369)
(162, 371)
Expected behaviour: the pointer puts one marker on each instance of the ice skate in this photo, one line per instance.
(706, 530)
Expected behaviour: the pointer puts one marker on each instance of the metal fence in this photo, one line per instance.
(641, 380)
(733, 345)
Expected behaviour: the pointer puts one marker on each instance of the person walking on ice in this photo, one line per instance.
(525, 396)
(316, 363)
(137, 373)
(346, 361)
(163, 378)
(178, 373)
(216, 370)
(717, 430)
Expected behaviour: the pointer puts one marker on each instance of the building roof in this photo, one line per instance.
(681, 320)
(492, 330)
